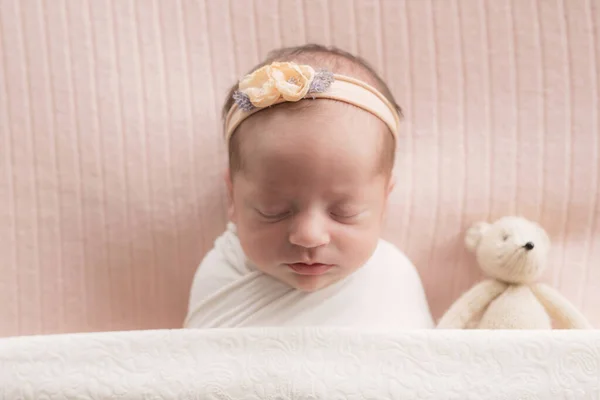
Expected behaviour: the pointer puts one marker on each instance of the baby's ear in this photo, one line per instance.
(474, 235)
(229, 184)
(391, 184)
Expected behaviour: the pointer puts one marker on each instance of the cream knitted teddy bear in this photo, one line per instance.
(512, 252)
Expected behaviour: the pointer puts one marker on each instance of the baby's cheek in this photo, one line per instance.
(260, 243)
(357, 246)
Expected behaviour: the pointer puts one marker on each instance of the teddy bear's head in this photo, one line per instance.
(512, 249)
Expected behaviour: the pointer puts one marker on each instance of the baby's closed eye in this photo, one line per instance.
(273, 214)
(347, 212)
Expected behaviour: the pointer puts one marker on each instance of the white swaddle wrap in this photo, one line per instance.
(228, 292)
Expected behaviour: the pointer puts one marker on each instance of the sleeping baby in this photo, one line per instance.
(311, 136)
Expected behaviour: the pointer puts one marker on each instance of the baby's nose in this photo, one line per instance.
(309, 232)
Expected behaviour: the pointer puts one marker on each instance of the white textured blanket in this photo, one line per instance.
(313, 363)
(229, 292)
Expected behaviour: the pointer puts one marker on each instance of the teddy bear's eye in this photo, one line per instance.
(505, 237)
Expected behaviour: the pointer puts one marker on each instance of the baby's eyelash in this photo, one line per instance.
(273, 216)
(341, 214)
(344, 215)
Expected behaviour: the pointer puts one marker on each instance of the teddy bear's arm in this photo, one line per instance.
(471, 303)
(559, 308)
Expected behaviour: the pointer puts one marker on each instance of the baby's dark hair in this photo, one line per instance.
(335, 60)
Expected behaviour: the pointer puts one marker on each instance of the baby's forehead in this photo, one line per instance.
(323, 120)
(327, 134)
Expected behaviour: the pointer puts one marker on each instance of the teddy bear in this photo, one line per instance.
(512, 252)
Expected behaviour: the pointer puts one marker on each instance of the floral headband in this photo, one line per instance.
(286, 81)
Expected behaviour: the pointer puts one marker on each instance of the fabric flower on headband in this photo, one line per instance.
(287, 80)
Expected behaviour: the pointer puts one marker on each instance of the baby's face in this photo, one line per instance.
(310, 198)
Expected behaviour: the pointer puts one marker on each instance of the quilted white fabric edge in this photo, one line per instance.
(310, 363)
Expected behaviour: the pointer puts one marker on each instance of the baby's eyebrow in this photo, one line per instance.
(268, 189)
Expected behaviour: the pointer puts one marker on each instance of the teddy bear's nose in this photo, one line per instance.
(529, 246)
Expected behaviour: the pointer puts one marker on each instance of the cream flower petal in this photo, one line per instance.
(263, 96)
(260, 87)
(276, 74)
(289, 91)
(308, 72)
(291, 81)
(256, 78)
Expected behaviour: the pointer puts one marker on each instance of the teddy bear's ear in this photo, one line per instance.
(544, 235)
(474, 234)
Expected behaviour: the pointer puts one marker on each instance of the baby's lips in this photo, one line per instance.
(310, 269)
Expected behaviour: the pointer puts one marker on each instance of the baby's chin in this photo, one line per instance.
(312, 284)
(307, 283)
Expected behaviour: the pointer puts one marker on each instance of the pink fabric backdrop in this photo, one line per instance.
(111, 155)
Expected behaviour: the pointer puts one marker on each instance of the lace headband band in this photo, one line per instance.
(285, 81)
